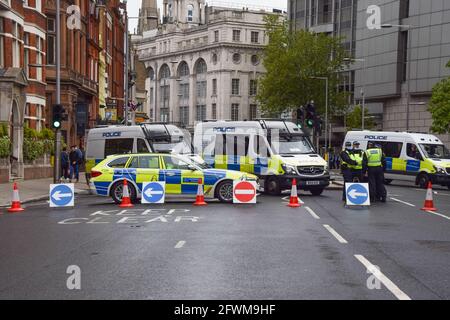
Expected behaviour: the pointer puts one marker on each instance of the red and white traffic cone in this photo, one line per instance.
(293, 201)
(15, 204)
(429, 206)
(200, 198)
(126, 201)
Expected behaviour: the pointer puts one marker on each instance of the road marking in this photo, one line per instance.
(311, 212)
(335, 234)
(180, 244)
(404, 202)
(399, 294)
(438, 214)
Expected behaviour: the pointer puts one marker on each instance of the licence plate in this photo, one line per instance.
(312, 183)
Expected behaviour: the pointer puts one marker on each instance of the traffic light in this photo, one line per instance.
(300, 116)
(58, 116)
(310, 117)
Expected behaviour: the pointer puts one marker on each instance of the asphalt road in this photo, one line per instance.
(264, 251)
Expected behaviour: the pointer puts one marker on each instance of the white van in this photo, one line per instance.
(143, 138)
(415, 157)
(276, 151)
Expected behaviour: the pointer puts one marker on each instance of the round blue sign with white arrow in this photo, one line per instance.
(153, 192)
(61, 195)
(357, 194)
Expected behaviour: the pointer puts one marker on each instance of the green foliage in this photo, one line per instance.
(354, 119)
(440, 106)
(5, 147)
(47, 134)
(36, 144)
(291, 60)
(4, 130)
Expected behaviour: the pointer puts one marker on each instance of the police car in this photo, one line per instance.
(415, 157)
(179, 173)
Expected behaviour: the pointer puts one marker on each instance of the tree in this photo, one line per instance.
(440, 106)
(291, 60)
(353, 119)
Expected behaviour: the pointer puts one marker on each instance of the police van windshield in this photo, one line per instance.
(180, 147)
(435, 151)
(293, 145)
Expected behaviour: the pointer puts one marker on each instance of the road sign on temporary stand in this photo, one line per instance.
(62, 195)
(244, 191)
(357, 194)
(153, 192)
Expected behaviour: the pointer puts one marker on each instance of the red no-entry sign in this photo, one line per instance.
(244, 192)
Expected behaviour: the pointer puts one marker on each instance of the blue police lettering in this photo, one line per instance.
(224, 129)
(112, 134)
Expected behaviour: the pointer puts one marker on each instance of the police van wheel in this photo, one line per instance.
(117, 189)
(316, 191)
(272, 187)
(225, 191)
(422, 180)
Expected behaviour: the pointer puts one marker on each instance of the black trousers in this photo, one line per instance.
(348, 177)
(376, 183)
(357, 175)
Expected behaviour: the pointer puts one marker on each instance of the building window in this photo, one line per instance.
(183, 91)
(214, 111)
(51, 41)
(235, 86)
(214, 86)
(184, 115)
(254, 37)
(200, 113)
(164, 117)
(255, 59)
(236, 57)
(214, 58)
(216, 36)
(235, 112)
(26, 61)
(190, 13)
(183, 70)
(200, 67)
(253, 111)
(237, 35)
(253, 87)
(39, 56)
(201, 89)
(15, 45)
(2, 44)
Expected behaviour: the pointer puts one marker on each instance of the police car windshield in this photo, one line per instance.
(294, 145)
(435, 151)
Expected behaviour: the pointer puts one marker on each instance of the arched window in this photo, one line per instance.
(190, 13)
(151, 73)
(183, 69)
(200, 66)
(164, 73)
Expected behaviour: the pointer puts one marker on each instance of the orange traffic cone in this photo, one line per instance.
(15, 204)
(126, 202)
(293, 201)
(200, 198)
(429, 206)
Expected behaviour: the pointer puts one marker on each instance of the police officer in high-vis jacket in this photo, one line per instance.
(347, 164)
(357, 155)
(375, 163)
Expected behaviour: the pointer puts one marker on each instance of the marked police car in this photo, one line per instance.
(146, 137)
(180, 174)
(275, 151)
(415, 157)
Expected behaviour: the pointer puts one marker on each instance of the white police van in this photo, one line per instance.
(276, 151)
(145, 137)
(415, 157)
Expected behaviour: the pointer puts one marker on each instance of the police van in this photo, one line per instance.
(146, 137)
(415, 157)
(276, 151)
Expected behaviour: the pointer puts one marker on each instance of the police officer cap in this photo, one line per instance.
(348, 144)
(356, 143)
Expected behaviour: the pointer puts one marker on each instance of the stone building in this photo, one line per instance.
(203, 62)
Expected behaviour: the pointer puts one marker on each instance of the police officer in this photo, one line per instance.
(357, 169)
(347, 164)
(375, 163)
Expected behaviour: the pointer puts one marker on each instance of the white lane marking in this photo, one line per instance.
(311, 212)
(180, 244)
(404, 202)
(399, 294)
(335, 234)
(438, 214)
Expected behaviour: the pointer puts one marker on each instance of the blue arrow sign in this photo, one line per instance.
(357, 194)
(153, 192)
(61, 195)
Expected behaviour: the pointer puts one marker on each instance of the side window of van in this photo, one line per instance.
(413, 152)
(118, 146)
(391, 149)
(260, 146)
(141, 146)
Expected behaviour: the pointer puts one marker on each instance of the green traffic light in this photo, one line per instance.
(310, 123)
(56, 124)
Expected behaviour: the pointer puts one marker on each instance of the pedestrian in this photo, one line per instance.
(347, 164)
(357, 169)
(75, 158)
(65, 164)
(375, 163)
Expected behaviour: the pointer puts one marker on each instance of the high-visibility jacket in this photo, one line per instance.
(345, 155)
(374, 157)
(358, 158)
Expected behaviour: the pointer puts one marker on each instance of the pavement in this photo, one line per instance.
(35, 190)
(321, 250)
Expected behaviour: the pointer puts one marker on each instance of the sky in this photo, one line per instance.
(134, 5)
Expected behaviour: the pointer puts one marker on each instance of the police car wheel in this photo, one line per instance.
(422, 180)
(117, 190)
(225, 191)
(272, 186)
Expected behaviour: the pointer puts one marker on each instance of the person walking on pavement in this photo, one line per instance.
(347, 164)
(75, 159)
(357, 156)
(375, 163)
(65, 164)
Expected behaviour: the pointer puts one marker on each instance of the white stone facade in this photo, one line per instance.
(205, 68)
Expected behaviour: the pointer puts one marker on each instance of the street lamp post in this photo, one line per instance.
(363, 89)
(408, 98)
(326, 109)
(57, 166)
